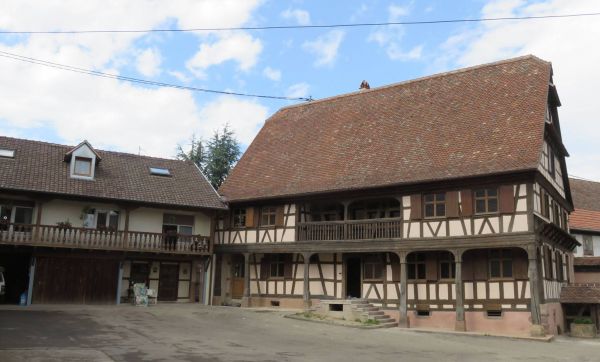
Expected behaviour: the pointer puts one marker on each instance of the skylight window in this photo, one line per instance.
(7, 153)
(158, 171)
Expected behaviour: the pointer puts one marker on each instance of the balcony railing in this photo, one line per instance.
(371, 229)
(82, 238)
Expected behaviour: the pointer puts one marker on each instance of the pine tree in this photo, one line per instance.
(196, 154)
(223, 151)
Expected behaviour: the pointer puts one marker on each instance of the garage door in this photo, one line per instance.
(75, 280)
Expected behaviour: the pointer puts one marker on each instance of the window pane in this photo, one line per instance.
(185, 230)
(480, 206)
(83, 166)
(479, 193)
(440, 210)
(429, 210)
(445, 270)
(429, 198)
(101, 220)
(411, 271)
(23, 215)
(492, 205)
(421, 271)
(492, 192)
(378, 271)
(495, 269)
(507, 268)
(440, 197)
(113, 221)
(274, 270)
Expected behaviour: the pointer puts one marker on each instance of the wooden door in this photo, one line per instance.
(168, 282)
(237, 276)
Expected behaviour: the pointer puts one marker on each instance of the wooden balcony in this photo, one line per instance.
(370, 229)
(82, 238)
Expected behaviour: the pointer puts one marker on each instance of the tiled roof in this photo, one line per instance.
(587, 220)
(580, 294)
(40, 167)
(586, 194)
(482, 120)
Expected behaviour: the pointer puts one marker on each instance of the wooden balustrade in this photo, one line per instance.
(60, 236)
(369, 229)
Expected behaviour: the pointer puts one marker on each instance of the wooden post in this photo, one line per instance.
(31, 279)
(403, 321)
(246, 295)
(532, 270)
(460, 324)
(38, 221)
(119, 282)
(126, 228)
(306, 284)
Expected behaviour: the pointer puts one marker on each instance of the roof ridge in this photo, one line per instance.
(119, 153)
(415, 80)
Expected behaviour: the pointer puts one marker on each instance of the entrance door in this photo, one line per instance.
(168, 280)
(237, 276)
(353, 277)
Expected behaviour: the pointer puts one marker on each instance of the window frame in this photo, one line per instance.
(83, 159)
(434, 203)
(268, 212)
(486, 200)
(238, 217)
(504, 256)
(587, 240)
(413, 261)
(278, 261)
(446, 258)
(373, 263)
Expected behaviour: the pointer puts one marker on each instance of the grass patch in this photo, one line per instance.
(371, 322)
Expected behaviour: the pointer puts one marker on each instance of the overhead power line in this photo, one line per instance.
(70, 68)
(282, 27)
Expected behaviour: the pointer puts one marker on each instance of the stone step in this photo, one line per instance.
(358, 301)
(379, 317)
(373, 313)
(389, 324)
(367, 309)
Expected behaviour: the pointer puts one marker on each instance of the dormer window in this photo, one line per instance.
(83, 166)
(83, 161)
(5, 153)
(159, 171)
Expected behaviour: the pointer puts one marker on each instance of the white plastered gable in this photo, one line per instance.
(83, 150)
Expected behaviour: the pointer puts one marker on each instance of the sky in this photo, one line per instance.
(52, 105)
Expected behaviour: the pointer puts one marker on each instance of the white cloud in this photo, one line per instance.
(113, 114)
(390, 38)
(325, 47)
(302, 17)
(272, 74)
(298, 90)
(148, 62)
(180, 76)
(571, 46)
(238, 46)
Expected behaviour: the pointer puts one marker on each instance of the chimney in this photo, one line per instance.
(364, 85)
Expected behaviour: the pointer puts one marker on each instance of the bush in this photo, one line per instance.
(583, 320)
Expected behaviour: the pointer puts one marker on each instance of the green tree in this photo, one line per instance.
(223, 151)
(196, 154)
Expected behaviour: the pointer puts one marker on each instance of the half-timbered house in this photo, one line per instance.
(582, 298)
(81, 225)
(443, 201)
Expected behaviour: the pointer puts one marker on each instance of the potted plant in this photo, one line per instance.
(583, 327)
(64, 225)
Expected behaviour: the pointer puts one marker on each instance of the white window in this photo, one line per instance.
(107, 220)
(7, 153)
(83, 166)
(158, 171)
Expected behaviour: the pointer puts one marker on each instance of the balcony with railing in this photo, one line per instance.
(115, 240)
(360, 220)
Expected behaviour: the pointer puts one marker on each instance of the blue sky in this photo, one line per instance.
(52, 105)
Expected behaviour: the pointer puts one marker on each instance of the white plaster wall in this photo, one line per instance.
(595, 242)
(55, 211)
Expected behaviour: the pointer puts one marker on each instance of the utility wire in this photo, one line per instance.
(138, 80)
(281, 27)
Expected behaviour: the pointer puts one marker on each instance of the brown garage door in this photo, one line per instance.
(75, 280)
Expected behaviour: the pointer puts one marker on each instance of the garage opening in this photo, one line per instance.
(16, 275)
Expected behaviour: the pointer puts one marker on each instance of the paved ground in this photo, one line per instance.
(197, 333)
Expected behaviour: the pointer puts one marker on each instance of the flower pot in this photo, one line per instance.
(583, 330)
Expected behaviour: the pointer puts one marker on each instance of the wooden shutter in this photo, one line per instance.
(466, 201)
(452, 204)
(288, 267)
(431, 266)
(265, 267)
(480, 265)
(520, 266)
(415, 207)
(252, 217)
(279, 217)
(395, 261)
(507, 199)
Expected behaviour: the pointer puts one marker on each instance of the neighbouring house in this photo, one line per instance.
(582, 299)
(80, 225)
(443, 201)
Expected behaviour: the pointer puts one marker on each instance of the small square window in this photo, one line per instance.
(268, 215)
(83, 166)
(486, 201)
(7, 153)
(435, 205)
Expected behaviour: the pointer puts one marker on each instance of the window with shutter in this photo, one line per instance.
(415, 207)
(486, 200)
(447, 266)
(452, 204)
(415, 266)
(466, 203)
(507, 199)
(435, 205)
(372, 268)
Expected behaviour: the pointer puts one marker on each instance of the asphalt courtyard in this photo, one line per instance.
(170, 332)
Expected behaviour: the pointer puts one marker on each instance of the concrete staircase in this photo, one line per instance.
(368, 311)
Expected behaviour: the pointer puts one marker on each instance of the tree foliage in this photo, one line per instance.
(215, 157)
